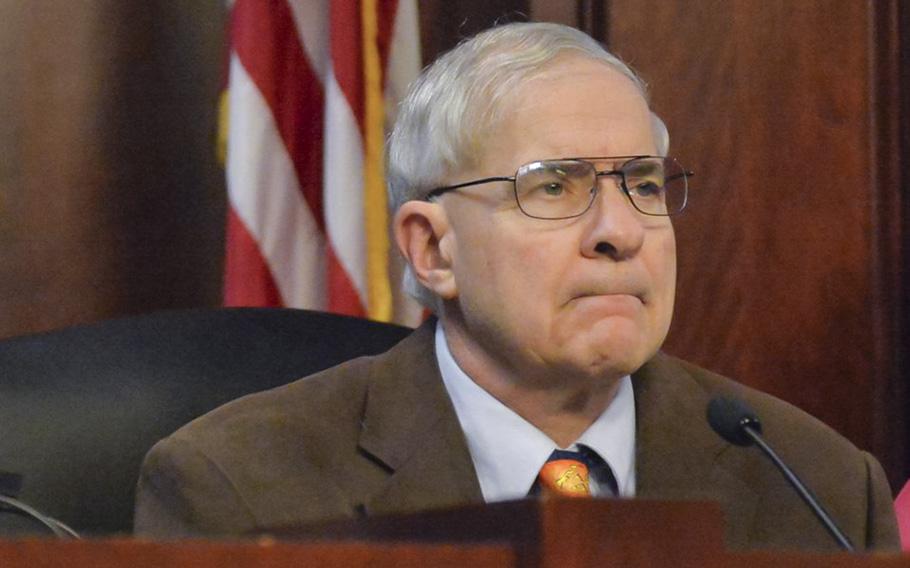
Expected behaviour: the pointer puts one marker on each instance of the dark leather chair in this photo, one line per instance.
(80, 407)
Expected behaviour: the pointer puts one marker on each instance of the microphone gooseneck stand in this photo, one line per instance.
(735, 422)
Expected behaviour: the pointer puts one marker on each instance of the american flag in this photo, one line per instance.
(313, 87)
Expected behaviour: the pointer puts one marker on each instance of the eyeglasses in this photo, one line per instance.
(566, 188)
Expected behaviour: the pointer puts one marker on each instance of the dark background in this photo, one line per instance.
(793, 114)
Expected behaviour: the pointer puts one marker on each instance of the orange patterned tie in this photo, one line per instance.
(564, 477)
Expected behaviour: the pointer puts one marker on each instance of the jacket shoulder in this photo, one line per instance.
(849, 482)
(781, 421)
(324, 401)
(243, 465)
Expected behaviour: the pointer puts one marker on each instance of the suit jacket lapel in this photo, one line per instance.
(410, 426)
(678, 456)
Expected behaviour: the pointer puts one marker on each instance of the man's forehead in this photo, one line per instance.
(577, 108)
(571, 84)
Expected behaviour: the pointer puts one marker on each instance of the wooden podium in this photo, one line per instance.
(527, 534)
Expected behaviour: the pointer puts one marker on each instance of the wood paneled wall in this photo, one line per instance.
(111, 201)
(790, 257)
(793, 114)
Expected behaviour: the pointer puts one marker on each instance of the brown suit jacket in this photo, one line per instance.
(379, 435)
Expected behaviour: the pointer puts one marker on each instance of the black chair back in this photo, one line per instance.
(80, 407)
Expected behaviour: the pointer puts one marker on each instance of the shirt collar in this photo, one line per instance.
(508, 451)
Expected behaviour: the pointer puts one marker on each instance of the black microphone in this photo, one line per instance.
(738, 424)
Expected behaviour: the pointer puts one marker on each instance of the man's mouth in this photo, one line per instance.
(610, 303)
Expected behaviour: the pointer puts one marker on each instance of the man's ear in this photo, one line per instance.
(421, 231)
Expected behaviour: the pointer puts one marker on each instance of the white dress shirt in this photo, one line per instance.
(508, 451)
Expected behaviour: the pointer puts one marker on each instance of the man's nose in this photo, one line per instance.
(615, 228)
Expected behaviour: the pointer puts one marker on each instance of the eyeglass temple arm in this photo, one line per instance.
(445, 189)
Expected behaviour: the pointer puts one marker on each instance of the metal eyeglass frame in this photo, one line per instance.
(434, 193)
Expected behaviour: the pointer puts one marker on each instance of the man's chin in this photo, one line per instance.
(613, 369)
(608, 365)
(616, 355)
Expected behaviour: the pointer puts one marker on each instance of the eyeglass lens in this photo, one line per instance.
(554, 189)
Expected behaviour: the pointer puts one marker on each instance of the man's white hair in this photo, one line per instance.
(455, 104)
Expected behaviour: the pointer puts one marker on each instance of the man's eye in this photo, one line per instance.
(646, 189)
(553, 189)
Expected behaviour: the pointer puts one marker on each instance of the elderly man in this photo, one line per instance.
(533, 204)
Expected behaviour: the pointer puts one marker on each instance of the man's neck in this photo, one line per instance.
(559, 406)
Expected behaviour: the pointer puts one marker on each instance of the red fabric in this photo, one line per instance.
(248, 280)
(265, 39)
(902, 506)
(388, 10)
(343, 298)
(266, 42)
(347, 54)
(347, 48)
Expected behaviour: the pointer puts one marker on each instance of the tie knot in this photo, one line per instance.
(565, 473)
(569, 474)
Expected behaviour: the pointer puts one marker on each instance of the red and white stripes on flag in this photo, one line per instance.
(312, 86)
